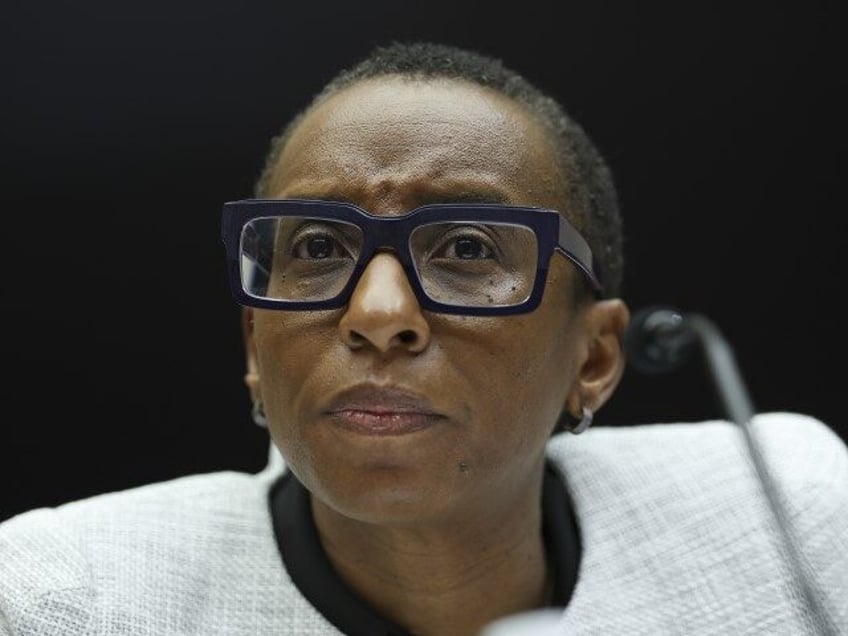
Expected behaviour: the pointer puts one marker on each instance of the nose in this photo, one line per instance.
(383, 311)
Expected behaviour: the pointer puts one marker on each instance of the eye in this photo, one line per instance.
(467, 248)
(466, 243)
(318, 243)
(317, 247)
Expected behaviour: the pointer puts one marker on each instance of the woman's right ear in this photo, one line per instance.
(251, 376)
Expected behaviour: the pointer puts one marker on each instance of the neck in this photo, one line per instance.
(449, 577)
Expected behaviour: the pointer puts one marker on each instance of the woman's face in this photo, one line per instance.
(385, 412)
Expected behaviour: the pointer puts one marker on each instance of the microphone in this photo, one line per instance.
(660, 339)
(656, 340)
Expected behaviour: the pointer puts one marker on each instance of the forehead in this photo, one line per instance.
(399, 142)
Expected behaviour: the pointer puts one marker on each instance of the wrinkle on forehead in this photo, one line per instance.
(380, 135)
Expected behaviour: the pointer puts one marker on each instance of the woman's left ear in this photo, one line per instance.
(603, 363)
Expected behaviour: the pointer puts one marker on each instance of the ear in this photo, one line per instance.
(602, 360)
(251, 377)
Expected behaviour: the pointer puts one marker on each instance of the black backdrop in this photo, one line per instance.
(126, 125)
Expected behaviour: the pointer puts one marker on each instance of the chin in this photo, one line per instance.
(388, 495)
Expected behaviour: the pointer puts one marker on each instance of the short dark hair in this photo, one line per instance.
(592, 197)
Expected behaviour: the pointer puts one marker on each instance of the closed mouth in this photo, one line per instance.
(377, 410)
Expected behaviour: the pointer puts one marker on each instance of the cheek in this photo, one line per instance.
(537, 358)
(280, 372)
(291, 346)
(520, 372)
(294, 353)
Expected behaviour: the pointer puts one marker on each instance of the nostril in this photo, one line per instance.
(407, 336)
(383, 339)
(356, 338)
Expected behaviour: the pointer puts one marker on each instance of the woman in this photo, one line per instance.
(430, 277)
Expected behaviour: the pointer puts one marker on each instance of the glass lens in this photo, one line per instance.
(473, 264)
(298, 258)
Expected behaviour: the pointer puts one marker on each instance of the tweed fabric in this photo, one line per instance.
(677, 539)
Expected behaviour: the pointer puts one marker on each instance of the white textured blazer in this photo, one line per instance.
(677, 539)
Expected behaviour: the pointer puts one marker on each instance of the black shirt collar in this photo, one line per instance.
(311, 571)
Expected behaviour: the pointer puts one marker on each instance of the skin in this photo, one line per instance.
(440, 529)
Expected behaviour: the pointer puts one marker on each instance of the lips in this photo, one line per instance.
(375, 410)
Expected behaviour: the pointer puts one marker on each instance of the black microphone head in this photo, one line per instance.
(658, 340)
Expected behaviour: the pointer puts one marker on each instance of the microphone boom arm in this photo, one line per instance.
(723, 369)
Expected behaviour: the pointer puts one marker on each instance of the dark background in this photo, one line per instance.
(126, 125)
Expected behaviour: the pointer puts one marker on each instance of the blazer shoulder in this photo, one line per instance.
(53, 559)
(806, 456)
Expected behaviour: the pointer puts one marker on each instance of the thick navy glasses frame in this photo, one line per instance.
(553, 233)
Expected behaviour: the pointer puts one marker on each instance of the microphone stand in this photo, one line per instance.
(737, 404)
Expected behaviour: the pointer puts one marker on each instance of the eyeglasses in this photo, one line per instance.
(471, 259)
